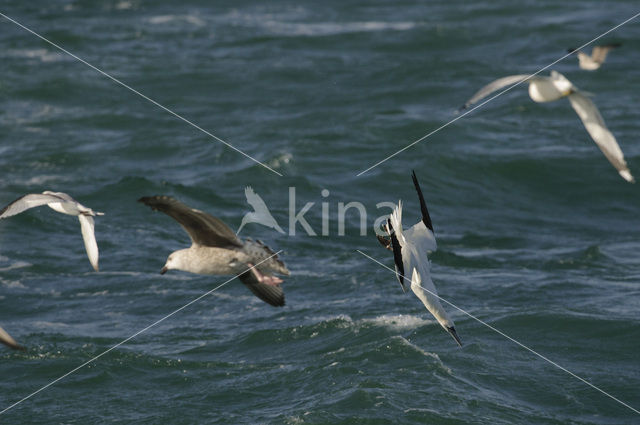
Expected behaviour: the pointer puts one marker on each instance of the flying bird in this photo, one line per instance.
(557, 86)
(216, 250)
(260, 213)
(62, 203)
(598, 55)
(6, 339)
(410, 247)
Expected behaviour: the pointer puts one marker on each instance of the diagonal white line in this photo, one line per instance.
(140, 94)
(507, 336)
(495, 96)
(134, 335)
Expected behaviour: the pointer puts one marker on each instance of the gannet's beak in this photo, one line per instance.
(164, 270)
(453, 333)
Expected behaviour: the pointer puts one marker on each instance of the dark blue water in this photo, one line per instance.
(537, 234)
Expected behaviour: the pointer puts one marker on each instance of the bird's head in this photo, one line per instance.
(174, 262)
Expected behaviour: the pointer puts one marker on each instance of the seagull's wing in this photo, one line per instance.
(204, 229)
(493, 86)
(89, 237)
(423, 287)
(271, 294)
(598, 131)
(599, 53)
(6, 339)
(29, 201)
(421, 233)
(60, 195)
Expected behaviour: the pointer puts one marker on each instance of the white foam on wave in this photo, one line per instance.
(11, 283)
(393, 322)
(92, 294)
(13, 266)
(50, 325)
(172, 19)
(425, 353)
(280, 160)
(333, 28)
(44, 55)
(398, 322)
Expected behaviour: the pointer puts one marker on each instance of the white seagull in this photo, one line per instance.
(6, 339)
(65, 204)
(557, 86)
(598, 55)
(410, 247)
(216, 250)
(260, 213)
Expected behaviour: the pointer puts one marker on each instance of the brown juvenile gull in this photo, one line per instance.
(598, 55)
(6, 339)
(64, 204)
(215, 249)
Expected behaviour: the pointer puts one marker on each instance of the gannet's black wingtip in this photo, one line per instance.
(426, 218)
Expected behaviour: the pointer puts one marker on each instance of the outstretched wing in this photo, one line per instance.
(599, 53)
(495, 85)
(396, 247)
(599, 132)
(271, 294)
(29, 201)
(203, 229)
(421, 233)
(6, 339)
(89, 237)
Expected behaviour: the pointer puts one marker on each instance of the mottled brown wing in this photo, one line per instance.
(204, 229)
(271, 294)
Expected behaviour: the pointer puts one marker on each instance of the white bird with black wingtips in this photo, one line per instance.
(410, 247)
(65, 204)
(557, 86)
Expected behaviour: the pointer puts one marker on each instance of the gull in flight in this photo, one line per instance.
(598, 55)
(6, 339)
(65, 204)
(557, 86)
(410, 247)
(216, 250)
(260, 213)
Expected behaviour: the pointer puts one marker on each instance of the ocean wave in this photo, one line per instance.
(44, 55)
(397, 322)
(320, 29)
(180, 19)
